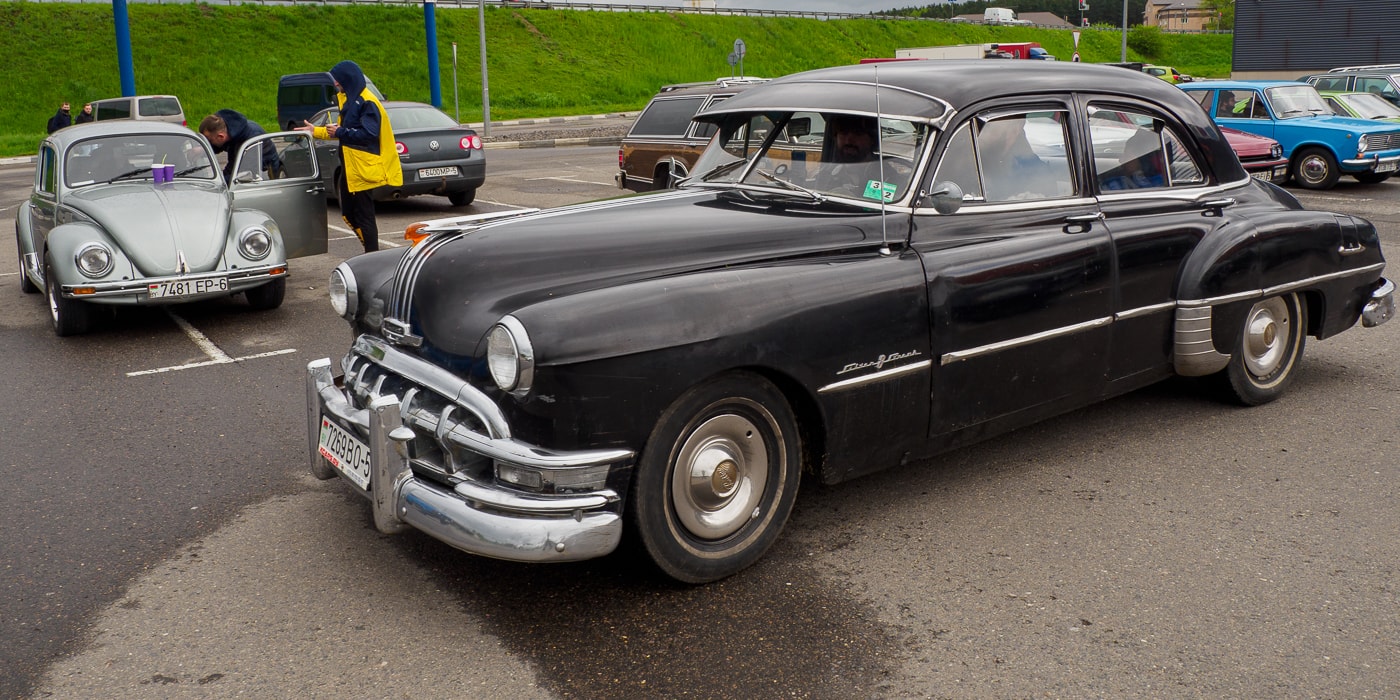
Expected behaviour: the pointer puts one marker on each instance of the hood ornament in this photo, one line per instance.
(181, 266)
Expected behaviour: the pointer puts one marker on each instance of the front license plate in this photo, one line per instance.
(345, 452)
(1387, 167)
(1262, 175)
(437, 172)
(184, 288)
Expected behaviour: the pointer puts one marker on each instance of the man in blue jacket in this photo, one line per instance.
(227, 131)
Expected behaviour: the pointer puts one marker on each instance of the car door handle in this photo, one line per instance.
(318, 189)
(1083, 221)
(1216, 207)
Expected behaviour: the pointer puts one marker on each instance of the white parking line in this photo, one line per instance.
(213, 352)
(382, 240)
(571, 179)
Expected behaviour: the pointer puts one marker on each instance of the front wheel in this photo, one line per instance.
(717, 479)
(268, 296)
(69, 316)
(1315, 169)
(1268, 352)
(1371, 178)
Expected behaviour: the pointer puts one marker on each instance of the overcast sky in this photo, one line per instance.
(851, 6)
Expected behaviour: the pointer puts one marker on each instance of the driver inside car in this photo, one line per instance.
(850, 162)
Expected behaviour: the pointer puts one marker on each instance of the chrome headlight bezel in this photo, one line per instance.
(94, 260)
(1363, 144)
(255, 242)
(510, 356)
(1276, 151)
(344, 292)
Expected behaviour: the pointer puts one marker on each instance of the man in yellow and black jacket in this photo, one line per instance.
(367, 154)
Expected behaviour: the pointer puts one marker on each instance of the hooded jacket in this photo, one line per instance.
(60, 119)
(240, 129)
(366, 138)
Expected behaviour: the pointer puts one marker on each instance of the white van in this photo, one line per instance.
(161, 108)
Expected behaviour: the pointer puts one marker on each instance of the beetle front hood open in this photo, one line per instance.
(156, 226)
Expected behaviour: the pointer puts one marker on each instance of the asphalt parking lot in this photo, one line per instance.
(163, 537)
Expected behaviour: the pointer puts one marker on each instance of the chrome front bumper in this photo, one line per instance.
(135, 291)
(475, 515)
(1371, 164)
(1381, 306)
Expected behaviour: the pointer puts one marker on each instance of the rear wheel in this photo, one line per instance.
(1268, 352)
(1372, 178)
(69, 316)
(26, 285)
(1315, 169)
(267, 296)
(717, 479)
(462, 198)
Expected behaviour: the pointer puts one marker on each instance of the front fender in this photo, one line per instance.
(241, 220)
(64, 243)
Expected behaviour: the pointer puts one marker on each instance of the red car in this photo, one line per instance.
(1260, 155)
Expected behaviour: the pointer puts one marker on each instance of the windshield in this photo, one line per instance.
(1292, 101)
(814, 155)
(1370, 106)
(131, 156)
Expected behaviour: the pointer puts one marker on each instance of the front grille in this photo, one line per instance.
(1383, 142)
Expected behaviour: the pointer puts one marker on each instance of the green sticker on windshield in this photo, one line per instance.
(874, 187)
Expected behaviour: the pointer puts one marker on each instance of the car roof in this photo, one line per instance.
(67, 135)
(927, 90)
(1238, 84)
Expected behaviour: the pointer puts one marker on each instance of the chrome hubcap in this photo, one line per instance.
(1266, 337)
(1314, 169)
(721, 473)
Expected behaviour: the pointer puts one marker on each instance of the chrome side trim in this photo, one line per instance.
(1193, 351)
(1144, 311)
(875, 377)
(960, 355)
(1292, 286)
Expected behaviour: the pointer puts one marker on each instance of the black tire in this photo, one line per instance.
(69, 316)
(265, 297)
(462, 198)
(1315, 169)
(1372, 178)
(26, 285)
(1268, 352)
(737, 439)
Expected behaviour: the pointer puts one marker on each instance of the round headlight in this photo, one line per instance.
(94, 260)
(255, 243)
(1276, 151)
(510, 357)
(1363, 144)
(345, 296)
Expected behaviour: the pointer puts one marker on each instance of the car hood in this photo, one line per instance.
(158, 226)
(465, 283)
(1246, 144)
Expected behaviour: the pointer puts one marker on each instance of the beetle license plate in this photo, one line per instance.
(345, 452)
(1387, 167)
(184, 288)
(437, 172)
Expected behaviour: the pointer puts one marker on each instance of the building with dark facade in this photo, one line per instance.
(1289, 38)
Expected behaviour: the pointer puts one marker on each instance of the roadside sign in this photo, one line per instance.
(1076, 39)
(1076, 57)
(733, 58)
(739, 48)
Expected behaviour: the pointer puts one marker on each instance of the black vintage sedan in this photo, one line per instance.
(438, 155)
(866, 269)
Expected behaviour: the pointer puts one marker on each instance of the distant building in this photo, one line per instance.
(1179, 15)
(1290, 38)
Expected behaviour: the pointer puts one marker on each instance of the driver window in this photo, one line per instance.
(1023, 157)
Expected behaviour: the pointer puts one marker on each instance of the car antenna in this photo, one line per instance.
(880, 149)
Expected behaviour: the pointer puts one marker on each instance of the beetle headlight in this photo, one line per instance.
(510, 356)
(255, 242)
(345, 295)
(94, 260)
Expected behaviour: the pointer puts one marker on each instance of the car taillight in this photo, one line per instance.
(620, 162)
(470, 143)
(400, 147)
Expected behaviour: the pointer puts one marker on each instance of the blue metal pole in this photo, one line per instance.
(128, 75)
(430, 27)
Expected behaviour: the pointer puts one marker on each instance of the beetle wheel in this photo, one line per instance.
(1315, 169)
(717, 479)
(1268, 351)
(268, 296)
(69, 316)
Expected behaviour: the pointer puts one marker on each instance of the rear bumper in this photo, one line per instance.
(471, 174)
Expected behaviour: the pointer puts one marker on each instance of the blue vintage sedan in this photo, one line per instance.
(1320, 147)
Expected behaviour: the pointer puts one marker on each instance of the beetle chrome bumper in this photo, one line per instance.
(475, 515)
(135, 291)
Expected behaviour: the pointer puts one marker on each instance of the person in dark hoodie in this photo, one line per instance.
(86, 115)
(227, 131)
(60, 119)
(367, 154)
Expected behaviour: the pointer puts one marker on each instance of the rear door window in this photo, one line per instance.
(115, 109)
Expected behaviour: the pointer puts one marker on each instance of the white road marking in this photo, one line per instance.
(573, 179)
(216, 356)
(382, 240)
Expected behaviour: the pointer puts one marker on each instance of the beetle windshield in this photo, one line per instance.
(133, 156)
(814, 155)
(1293, 101)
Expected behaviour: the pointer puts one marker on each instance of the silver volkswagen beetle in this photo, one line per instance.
(129, 212)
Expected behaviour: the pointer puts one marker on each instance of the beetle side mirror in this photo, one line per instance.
(947, 197)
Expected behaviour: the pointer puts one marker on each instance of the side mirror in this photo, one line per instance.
(947, 197)
(797, 128)
(246, 177)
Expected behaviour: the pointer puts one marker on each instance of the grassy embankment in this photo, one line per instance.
(541, 62)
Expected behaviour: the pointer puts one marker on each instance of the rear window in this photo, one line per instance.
(1331, 84)
(159, 107)
(419, 118)
(118, 109)
(667, 117)
(306, 95)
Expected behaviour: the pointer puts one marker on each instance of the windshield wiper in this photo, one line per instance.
(1287, 112)
(816, 196)
(137, 171)
(721, 169)
(195, 169)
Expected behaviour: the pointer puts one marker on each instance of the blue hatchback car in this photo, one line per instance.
(1320, 147)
